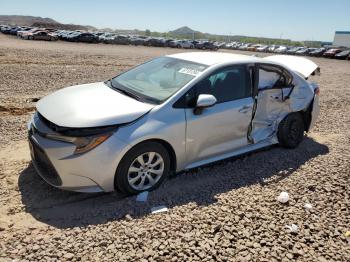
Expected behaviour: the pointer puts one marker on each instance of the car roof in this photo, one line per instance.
(212, 58)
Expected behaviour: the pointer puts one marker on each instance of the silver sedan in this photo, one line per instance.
(170, 114)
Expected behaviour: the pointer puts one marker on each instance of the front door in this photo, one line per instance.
(223, 127)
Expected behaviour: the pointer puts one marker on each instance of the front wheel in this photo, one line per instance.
(143, 168)
(291, 130)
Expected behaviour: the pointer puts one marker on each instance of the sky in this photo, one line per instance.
(296, 20)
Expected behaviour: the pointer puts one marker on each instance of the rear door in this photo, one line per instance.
(222, 128)
(274, 85)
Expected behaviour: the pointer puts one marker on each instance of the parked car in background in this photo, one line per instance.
(281, 50)
(244, 47)
(155, 41)
(71, 36)
(331, 52)
(85, 37)
(120, 40)
(25, 34)
(219, 44)
(42, 35)
(262, 48)
(304, 51)
(184, 44)
(14, 30)
(137, 40)
(173, 43)
(207, 45)
(167, 42)
(230, 45)
(318, 52)
(293, 50)
(105, 37)
(342, 55)
(253, 48)
(272, 48)
(24, 30)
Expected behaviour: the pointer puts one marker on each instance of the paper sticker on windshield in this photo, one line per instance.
(189, 71)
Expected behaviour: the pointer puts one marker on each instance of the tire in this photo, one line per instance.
(130, 172)
(291, 130)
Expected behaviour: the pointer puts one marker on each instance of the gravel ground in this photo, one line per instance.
(223, 212)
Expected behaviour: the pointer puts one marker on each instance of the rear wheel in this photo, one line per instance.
(291, 130)
(143, 168)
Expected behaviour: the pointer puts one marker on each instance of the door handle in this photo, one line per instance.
(244, 109)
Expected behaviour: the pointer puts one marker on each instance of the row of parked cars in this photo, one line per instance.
(329, 52)
(30, 33)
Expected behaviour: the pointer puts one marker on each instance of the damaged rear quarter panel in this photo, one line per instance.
(272, 108)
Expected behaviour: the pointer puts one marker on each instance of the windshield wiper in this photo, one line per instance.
(125, 92)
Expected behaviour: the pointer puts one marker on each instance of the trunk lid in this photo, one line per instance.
(303, 66)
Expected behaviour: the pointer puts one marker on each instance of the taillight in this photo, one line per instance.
(317, 91)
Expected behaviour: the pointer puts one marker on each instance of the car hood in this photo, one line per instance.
(90, 105)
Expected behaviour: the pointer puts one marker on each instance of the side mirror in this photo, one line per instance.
(204, 101)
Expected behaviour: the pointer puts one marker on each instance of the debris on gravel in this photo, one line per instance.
(223, 212)
(159, 209)
(142, 197)
(283, 197)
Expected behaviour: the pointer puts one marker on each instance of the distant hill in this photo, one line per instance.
(64, 26)
(185, 30)
(38, 21)
(24, 20)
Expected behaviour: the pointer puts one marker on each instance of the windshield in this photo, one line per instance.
(158, 79)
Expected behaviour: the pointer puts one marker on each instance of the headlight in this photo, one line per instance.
(83, 144)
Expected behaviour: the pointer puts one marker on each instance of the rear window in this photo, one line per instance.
(273, 77)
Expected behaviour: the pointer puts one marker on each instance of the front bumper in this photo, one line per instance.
(93, 171)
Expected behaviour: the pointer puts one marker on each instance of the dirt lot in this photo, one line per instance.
(224, 212)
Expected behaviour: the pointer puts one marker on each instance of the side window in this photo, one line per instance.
(228, 84)
(273, 77)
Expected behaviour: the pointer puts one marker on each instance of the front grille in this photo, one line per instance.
(44, 165)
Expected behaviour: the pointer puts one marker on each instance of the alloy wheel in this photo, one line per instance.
(145, 171)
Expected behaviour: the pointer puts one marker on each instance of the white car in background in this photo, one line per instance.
(281, 50)
(262, 48)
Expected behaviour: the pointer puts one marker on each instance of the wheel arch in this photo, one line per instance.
(307, 116)
(169, 148)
